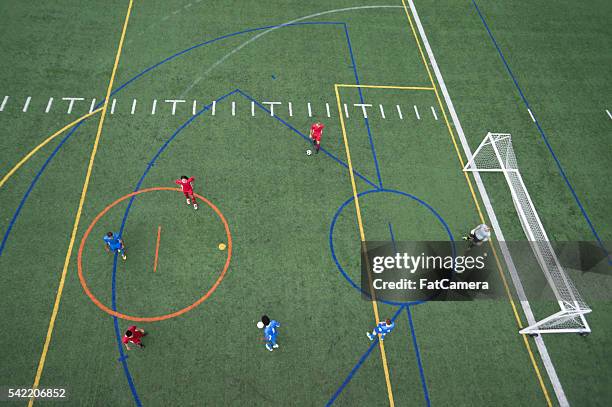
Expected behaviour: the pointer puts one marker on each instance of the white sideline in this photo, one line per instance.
(550, 369)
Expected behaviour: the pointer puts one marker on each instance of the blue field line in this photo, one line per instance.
(359, 363)
(537, 123)
(173, 56)
(413, 331)
(392, 237)
(32, 185)
(418, 356)
(332, 156)
(122, 354)
(367, 123)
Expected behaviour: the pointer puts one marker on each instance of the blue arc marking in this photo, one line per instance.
(374, 191)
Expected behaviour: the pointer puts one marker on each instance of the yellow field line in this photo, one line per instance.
(362, 237)
(342, 85)
(44, 143)
(60, 289)
(514, 308)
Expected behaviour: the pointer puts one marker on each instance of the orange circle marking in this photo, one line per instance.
(160, 317)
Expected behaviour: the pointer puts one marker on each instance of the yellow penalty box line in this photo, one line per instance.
(77, 218)
(362, 236)
(478, 209)
(343, 85)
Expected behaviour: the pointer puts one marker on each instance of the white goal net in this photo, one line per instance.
(495, 154)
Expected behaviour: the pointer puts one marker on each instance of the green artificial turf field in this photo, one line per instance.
(226, 92)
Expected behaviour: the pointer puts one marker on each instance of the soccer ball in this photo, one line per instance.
(260, 325)
(308, 152)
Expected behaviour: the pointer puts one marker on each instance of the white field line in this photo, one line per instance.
(609, 114)
(48, 108)
(27, 104)
(550, 369)
(71, 101)
(363, 106)
(531, 115)
(6, 98)
(173, 107)
(261, 34)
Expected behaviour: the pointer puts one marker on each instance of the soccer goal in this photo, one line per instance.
(495, 154)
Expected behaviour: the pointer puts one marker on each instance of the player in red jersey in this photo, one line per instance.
(187, 188)
(133, 335)
(316, 130)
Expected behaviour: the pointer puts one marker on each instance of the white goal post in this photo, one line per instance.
(495, 154)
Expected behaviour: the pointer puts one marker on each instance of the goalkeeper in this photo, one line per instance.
(478, 235)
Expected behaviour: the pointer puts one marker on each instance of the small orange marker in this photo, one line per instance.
(157, 248)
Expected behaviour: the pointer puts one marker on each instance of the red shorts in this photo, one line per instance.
(188, 193)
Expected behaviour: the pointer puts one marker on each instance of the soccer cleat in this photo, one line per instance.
(464, 238)
(275, 345)
(269, 347)
(370, 336)
(124, 257)
(195, 206)
(188, 201)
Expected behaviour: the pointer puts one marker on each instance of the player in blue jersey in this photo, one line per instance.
(270, 332)
(113, 243)
(383, 328)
